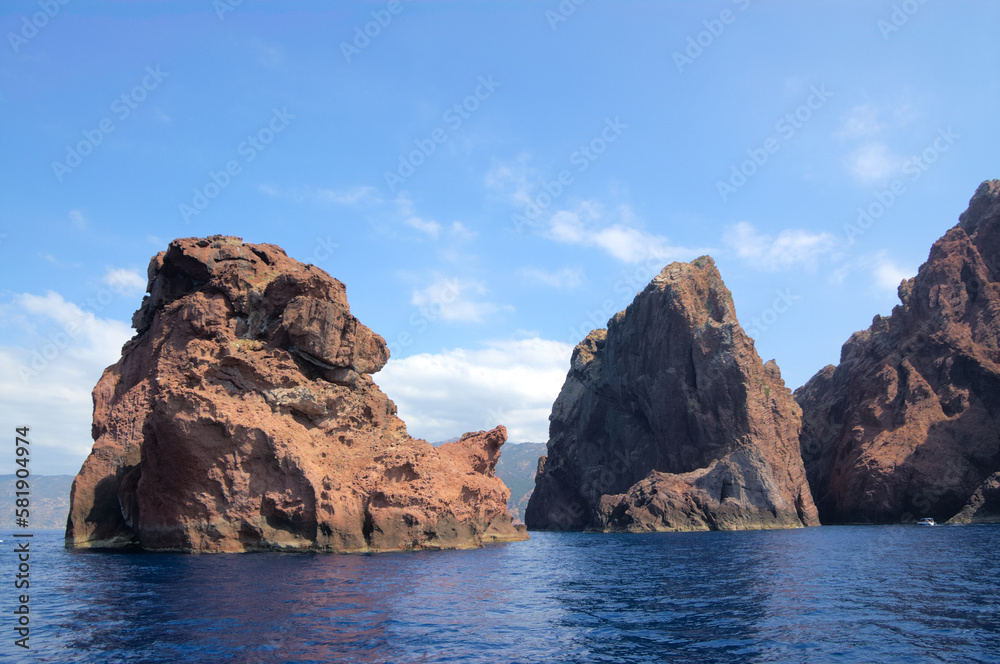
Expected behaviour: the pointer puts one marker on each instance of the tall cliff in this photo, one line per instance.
(242, 416)
(668, 420)
(908, 424)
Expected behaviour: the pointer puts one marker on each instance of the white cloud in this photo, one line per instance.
(862, 122)
(124, 282)
(427, 226)
(58, 263)
(567, 278)
(791, 248)
(587, 225)
(510, 180)
(885, 274)
(350, 196)
(78, 219)
(461, 231)
(511, 382)
(49, 378)
(268, 54)
(358, 195)
(455, 299)
(888, 275)
(874, 162)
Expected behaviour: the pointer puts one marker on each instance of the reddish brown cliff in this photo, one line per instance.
(668, 420)
(908, 424)
(242, 416)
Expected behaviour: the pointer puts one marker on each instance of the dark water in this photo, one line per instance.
(848, 594)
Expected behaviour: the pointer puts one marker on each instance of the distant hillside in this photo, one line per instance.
(49, 501)
(517, 465)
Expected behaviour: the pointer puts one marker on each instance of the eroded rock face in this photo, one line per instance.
(668, 420)
(242, 417)
(908, 424)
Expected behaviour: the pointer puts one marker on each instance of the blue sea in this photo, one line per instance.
(831, 594)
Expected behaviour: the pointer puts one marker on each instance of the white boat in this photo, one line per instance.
(926, 521)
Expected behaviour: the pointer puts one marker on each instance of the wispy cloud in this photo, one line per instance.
(874, 162)
(888, 274)
(861, 122)
(461, 232)
(78, 219)
(509, 382)
(58, 263)
(455, 299)
(790, 248)
(430, 228)
(350, 196)
(357, 195)
(882, 273)
(512, 180)
(589, 225)
(567, 278)
(125, 282)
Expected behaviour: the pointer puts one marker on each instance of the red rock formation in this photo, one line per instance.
(242, 416)
(908, 425)
(668, 420)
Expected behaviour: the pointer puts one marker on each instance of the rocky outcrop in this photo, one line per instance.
(668, 420)
(242, 416)
(908, 424)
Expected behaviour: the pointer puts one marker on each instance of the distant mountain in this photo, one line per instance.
(49, 501)
(517, 465)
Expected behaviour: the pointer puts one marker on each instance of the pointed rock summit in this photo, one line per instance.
(908, 424)
(668, 420)
(242, 416)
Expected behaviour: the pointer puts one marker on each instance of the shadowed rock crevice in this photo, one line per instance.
(243, 416)
(668, 420)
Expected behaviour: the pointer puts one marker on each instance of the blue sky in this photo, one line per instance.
(491, 180)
